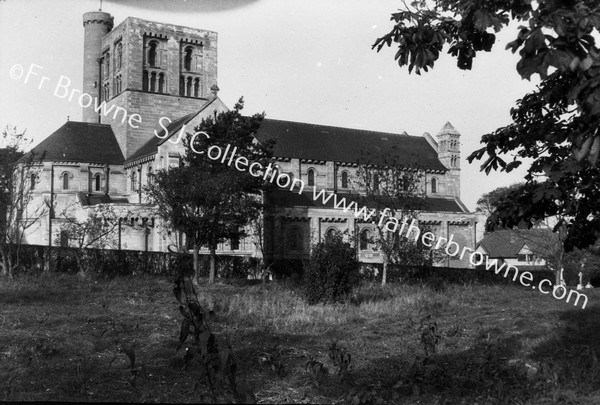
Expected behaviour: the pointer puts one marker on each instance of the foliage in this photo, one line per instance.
(556, 126)
(18, 177)
(205, 199)
(488, 202)
(217, 366)
(395, 193)
(332, 271)
(96, 229)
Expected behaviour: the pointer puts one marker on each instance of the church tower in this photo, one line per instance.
(448, 140)
(96, 25)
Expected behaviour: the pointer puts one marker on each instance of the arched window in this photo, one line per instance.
(311, 177)
(145, 81)
(196, 87)
(161, 83)
(119, 56)
(365, 239)
(181, 86)
(152, 53)
(134, 180)
(295, 239)
(106, 65)
(376, 182)
(97, 182)
(344, 179)
(188, 87)
(65, 179)
(235, 243)
(33, 180)
(153, 82)
(187, 59)
(434, 185)
(149, 175)
(330, 233)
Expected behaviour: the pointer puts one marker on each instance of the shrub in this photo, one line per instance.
(332, 271)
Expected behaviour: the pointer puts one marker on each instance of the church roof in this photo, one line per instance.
(347, 145)
(286, 198)
(80, 142)
(151, 147)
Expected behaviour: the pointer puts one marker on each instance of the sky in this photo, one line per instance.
(296, 60)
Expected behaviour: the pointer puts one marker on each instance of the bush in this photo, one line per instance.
(332, 271)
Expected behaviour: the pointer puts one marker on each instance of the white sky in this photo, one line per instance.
(298, 60)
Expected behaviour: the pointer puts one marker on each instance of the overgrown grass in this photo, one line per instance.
(61, 338)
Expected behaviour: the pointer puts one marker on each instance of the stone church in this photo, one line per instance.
(153, 81)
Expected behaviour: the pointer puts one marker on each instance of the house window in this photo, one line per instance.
(365, 239)
(64, 239)
(376, 182)
(311, 177)
(65, 179)
(235, 243)
(525, 258)
(152, 52)
(295, 239)
(434, 185)
(344, 179)
(97, 182)
(32, 179)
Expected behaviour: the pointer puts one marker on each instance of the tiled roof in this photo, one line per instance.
(285, 198)
(508, 243)
(347, 145)
(93, 199)
(80, 142)
(151, 147)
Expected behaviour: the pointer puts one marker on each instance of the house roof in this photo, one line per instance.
(507, 243)
(288, 199)
(79, 142)
(93, 199)
(347, 145)
(151, 147)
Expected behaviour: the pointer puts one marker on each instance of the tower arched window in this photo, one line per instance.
(330, 233)
(365, 239)
(119, 56)
(188, 87)
(187, 59)
(152, 53)
(161, 83)
(181, 86)
(434, 185)
(106, 65)
(145, 81)
(65, 180)
(311, 177)
(153, 82)
(196, 87)
(97, 182)
(344, 179)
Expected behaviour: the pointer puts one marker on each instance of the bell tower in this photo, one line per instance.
(448, 140)
(96, 25)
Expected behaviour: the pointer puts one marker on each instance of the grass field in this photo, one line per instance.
(60, 338)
